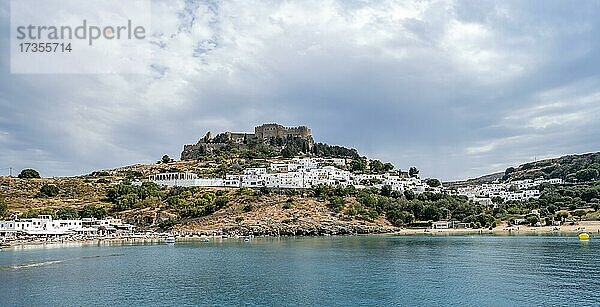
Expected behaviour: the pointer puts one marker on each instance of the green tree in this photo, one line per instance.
(48, 190)
(126, 202)
(399, 218)
(336, 203)
(579, 213)
(431, 212)
(29, 173)
(413, 171)
(375, 166)
(289, 151)
(92, 211)
(586, 174)
(386, 190)
(358, 165)
(508, 172)
(3, 208)
(166, 159)
(497, 200)
(433, 182)
(409, 194)
(167, 224)
(533, 219)
(387, 167)
(66, 213)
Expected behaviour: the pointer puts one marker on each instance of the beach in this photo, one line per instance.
(591, 227)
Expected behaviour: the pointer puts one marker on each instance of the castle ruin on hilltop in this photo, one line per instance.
(265, 132)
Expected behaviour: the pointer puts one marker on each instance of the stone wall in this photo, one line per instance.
(267, 131)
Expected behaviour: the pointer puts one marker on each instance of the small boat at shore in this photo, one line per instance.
(584, 236)
(170, 240)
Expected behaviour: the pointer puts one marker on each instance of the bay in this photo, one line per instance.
(305, 271)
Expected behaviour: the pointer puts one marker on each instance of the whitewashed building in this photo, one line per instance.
(299, 173)
(45, 225)
(518, 190)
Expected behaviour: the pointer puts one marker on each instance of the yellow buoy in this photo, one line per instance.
(584, 236)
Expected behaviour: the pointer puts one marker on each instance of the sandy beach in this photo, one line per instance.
(592, 227)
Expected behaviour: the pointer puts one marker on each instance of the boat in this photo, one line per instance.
(584, 236)
(170, 240)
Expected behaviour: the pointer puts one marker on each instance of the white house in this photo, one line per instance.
(300, 173)
(44, 225)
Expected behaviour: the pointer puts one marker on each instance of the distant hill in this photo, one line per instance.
(475, 181)
(571, 168)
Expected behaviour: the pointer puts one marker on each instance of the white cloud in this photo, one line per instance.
(445, 86)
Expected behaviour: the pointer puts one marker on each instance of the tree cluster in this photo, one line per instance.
(48, 190)
(29, 173)
(186, 201)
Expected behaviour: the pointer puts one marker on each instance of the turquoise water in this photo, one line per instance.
(325, 271)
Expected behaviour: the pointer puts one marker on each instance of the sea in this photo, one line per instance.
(417, 270)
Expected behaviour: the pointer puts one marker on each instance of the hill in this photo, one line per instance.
(267, 141)
(571, 168)
(475, 181)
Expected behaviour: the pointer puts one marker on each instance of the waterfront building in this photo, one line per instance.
(45, 225)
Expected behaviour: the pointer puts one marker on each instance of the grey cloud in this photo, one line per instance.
(450, 87)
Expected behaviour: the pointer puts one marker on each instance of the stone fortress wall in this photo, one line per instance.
(207, 144)
(267, 131)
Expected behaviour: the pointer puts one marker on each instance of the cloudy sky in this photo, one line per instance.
(458, 89)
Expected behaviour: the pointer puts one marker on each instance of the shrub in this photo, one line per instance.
(48, 190)
(336, 203)
(533, 220)
(98, 212)
(29, 173)
(66, 213)
(3, 208)
(288, 203)
(433, 182)
(167, 224)
(579, 213)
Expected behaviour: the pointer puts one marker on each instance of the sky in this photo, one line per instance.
(457, 88)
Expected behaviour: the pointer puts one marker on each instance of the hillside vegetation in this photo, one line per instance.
(571, 168)
(322, 209)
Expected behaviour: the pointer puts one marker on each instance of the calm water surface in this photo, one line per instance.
(326, 271)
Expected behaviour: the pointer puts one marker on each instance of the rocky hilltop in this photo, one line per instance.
(269, 139)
